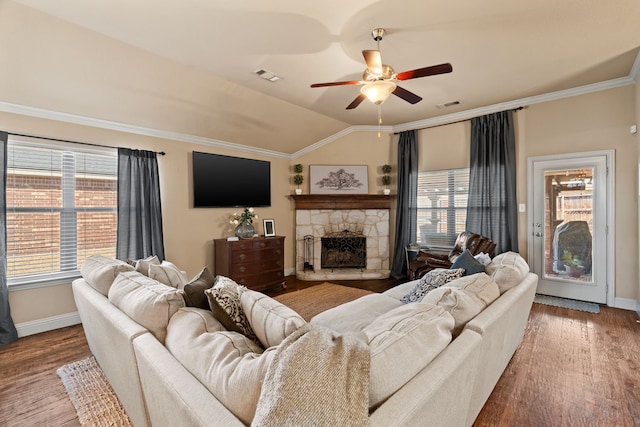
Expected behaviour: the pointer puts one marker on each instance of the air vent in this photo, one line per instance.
(448, 104)
(267, 75)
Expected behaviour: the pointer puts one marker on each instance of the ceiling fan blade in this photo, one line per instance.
(373, 60)
(356, 102)
(408, 96)
(426, 71)
(355, 82)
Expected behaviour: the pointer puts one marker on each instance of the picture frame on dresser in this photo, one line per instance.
(269, 227)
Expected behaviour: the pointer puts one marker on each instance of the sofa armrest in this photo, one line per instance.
(108, 328)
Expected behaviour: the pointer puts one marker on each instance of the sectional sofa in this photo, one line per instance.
(429, 363)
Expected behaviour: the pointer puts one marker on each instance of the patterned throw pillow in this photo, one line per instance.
(430, 281)
(469, 263)
(224, 301)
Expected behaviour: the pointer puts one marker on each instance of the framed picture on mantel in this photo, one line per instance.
(338, 179)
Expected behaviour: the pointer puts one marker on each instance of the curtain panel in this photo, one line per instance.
(139, 210)
(8, 331)
(492, 203)
(406, 211)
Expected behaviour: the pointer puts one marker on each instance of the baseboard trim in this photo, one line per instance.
(627, 304)
(47, 324)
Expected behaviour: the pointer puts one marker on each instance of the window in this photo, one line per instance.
(442, 206)
(61, 208)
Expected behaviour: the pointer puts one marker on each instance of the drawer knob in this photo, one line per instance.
(263, 244)
(242, 269)
(242, 256)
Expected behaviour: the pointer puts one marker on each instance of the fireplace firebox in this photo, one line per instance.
(344, 249)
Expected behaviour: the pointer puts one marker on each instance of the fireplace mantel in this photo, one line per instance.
(342, 201)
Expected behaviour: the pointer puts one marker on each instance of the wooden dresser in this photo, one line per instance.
(256, 263)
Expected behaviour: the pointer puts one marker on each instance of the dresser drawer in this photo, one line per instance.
(253, 267)
(255, 244)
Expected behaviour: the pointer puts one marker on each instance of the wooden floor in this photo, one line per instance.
(572, 369)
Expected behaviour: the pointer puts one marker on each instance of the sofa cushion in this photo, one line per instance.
(270, 320)
(507, 269)
(142, 265)
(430, 281)
(100, 271)
(224, 301)
(402, 342)
(167, 273)
(146, 301)
(194, 295)
(355, 315)
(229, 364)
(467, 261)
(465, 297)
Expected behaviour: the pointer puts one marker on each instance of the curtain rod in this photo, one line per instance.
(161, 153)
(452, 123)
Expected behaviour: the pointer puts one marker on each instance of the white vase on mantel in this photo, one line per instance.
(298, 191)
(386, 191)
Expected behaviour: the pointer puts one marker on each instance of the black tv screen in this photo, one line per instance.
(225, 181)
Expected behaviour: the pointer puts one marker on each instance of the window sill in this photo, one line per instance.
(35, 282)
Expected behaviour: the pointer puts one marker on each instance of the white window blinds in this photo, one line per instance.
(442, 206)
(61, 207)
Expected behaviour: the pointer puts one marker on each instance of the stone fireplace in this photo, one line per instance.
(363, 220)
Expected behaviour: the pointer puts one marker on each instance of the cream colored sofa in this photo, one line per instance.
(156, 389)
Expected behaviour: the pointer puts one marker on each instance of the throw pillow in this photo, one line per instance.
(168, 274)
(100, 271)
(465, 298)
(146, 301)
(508, 269)
(430, 281)
(469, 263)
(224, 301)
(142, 265)
(271, 321)
(194, 295)
(483, 258)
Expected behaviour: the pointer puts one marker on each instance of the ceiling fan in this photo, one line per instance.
(380, 80)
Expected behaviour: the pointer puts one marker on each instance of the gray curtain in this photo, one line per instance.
(491, 208)
(8, 331)
(139, 210)
(406, 212)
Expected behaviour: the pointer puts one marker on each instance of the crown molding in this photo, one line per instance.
(522, 102)
(342, 133)
(42, 113)
(631, 79)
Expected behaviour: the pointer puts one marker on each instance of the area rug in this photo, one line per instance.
(92, 395)
(572, 304)
(310, 301)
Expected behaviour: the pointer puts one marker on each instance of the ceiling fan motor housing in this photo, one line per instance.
(387, 73)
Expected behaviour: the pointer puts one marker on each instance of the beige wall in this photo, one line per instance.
(597, 121)
(188, 232)
(585, 123)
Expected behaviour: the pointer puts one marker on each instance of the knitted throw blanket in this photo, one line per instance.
(317, 378)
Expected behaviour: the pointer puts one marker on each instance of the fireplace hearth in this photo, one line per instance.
(344, 249)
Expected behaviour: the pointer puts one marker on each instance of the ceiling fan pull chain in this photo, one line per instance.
(379, 119)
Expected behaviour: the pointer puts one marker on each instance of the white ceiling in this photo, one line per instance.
(501, 50)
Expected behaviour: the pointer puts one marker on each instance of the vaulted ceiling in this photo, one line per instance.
(500, 51)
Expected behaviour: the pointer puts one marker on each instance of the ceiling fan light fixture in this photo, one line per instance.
(378, 91)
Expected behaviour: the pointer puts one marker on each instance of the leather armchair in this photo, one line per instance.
(427, 261)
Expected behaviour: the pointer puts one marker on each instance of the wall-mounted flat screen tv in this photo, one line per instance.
(225, 181)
